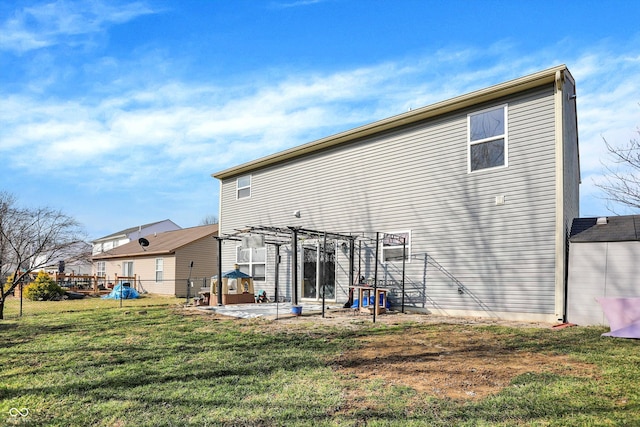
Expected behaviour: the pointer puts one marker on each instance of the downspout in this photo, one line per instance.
(560, 235)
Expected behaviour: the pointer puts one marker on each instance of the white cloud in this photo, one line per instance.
(62, 21)
(295, 3)
(166, 131)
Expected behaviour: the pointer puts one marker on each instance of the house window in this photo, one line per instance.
(159, 269)
(252, 261)
(394, 245)
(101, 269)
(127, 269)
(487, 133)
(243, 187)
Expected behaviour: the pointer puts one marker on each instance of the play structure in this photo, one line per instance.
(237, 287)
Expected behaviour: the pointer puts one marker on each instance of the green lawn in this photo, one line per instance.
(92, 363)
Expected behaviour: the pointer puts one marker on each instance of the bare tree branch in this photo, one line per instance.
(31, 239)
(209, 219)
(622, 176)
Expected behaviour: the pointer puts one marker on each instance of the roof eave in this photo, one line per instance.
(472, 98)
(132, 254)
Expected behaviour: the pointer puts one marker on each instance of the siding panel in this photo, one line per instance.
(416, 178)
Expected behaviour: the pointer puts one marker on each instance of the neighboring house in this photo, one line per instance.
(76, 261)
(120, 238)
(164, 266)
(483, 187)
(603, 262)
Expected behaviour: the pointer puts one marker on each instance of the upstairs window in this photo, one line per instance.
(243, 187)
(394, 245)
(487, 132)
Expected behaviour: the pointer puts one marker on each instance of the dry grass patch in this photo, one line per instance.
(458, 360)
(458, 364)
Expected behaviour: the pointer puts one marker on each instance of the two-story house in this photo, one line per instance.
(483, 187)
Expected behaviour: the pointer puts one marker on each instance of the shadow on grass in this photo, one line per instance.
(121, 355)
(163, 369)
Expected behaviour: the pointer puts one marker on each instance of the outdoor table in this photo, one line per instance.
(378, 306)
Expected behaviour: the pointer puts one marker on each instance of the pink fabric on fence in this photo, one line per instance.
(623, 315)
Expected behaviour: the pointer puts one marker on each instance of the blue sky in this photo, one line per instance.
(118, 112)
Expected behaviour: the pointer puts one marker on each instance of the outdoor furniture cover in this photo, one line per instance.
(623, 315)
(121, 291)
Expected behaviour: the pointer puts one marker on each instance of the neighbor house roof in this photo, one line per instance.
(127, 231)
(606, 229)
(491, 93)
(161, 243)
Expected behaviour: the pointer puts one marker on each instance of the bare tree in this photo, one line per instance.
(209, 219)
(622, 178)
(31, 239)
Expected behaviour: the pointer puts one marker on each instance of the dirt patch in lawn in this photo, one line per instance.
(458, 360)
(466, 364)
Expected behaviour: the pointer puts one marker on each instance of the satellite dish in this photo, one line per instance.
(143, 242)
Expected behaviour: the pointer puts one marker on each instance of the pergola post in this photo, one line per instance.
(375, 278)
(277, 278)
(323, 266)
(219, 292)
(404, 256)
(294, 265)
(352, 248)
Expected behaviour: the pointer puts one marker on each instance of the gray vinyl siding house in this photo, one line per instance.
(490, 242)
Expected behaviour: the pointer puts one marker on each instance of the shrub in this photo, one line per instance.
(44, 288)
(8, 283)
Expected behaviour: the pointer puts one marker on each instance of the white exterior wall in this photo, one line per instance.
(415, 179)
(144, 267)
(107, 245)
(600, 269)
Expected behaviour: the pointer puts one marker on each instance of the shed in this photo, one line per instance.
(603, 262)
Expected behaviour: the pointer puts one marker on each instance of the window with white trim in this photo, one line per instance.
(487, 137)
(127, 268)
(101, 269)
(243, 187)
(252, 261)
(159, 269)
(394, 245)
